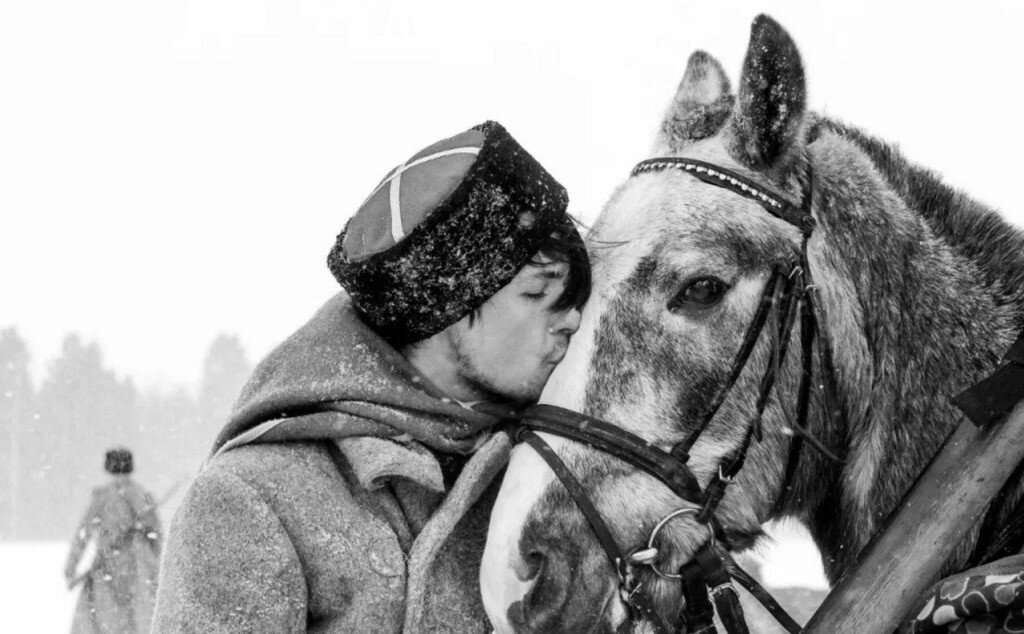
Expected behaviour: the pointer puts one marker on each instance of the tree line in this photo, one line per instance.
(53, 436)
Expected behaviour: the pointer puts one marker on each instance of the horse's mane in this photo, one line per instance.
(972, 229)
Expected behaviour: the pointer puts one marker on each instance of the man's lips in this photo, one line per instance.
(556, 355)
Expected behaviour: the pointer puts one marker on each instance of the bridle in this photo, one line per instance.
(789, 294)
(788, 291)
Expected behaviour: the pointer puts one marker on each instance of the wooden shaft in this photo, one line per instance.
(904, 560)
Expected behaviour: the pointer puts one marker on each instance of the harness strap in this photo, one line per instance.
(730, 467)
(833, 408)
(727, 602)
(782, 207)
(803, 399)
(698, 613)
(682, 450)
(636, 603)
(781, 333)
(579, 495)
(614, 441)
(764, 598)
(703, 577)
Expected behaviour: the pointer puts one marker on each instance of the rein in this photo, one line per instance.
(789, 293)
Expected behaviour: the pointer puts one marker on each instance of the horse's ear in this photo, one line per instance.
(700, 107)
(764, 133)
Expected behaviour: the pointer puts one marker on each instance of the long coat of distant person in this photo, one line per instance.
(118, 590)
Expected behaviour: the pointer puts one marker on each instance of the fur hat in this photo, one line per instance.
(119, 460)
(444, 231)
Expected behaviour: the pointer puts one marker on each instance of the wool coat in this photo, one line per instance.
(118, 588)
(326, 507)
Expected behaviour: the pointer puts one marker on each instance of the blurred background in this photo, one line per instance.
(173, 173)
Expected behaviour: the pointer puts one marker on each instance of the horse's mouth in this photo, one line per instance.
(607, 621)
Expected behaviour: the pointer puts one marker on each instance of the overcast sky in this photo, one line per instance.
(170, 169)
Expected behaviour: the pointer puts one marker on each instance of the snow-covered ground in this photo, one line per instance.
(32, 591)
(33, 597)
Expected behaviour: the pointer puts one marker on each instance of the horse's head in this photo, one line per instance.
(679, 268)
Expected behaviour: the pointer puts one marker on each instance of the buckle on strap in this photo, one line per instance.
(720, 589)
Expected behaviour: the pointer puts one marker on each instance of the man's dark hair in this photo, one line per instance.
(563, 245)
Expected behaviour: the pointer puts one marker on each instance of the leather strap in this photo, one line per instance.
(698, 613)
(750, 338)
(807, 333)
(612, 440)
(779, 331)
(833, 408)
(636, 604)
(781, 206)
(995, 396)
(717, 579)
(756, 590)
(579, 495)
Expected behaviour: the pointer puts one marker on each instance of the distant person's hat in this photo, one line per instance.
(446, 230)
(119, 460)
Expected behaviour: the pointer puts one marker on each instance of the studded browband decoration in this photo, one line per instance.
(776, 204)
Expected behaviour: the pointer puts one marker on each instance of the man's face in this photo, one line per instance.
(516, 340)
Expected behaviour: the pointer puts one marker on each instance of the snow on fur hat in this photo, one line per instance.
(446, 230)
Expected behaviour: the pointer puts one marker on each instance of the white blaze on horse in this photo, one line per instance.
(917, 289)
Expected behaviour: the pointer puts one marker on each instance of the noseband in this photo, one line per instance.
(788, 293)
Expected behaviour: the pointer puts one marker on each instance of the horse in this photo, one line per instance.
(919, 287)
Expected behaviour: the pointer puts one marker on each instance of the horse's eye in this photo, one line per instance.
(701, 293)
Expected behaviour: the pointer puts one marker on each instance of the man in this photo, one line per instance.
(119, 585)
(351, 488)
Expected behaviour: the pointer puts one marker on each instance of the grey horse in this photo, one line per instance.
(921, 289)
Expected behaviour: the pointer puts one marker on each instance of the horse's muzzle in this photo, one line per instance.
(573, 589)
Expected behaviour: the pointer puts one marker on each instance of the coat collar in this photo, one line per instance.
(374, 461)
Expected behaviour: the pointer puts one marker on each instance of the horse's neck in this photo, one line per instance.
(972, 229)
(911, 323)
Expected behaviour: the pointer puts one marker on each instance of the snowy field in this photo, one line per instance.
(34, 598)
(32, 586)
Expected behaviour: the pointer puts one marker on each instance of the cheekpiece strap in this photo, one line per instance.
(776, 204)
(579, 495)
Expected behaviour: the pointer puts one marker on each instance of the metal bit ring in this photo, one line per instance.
(659, 526)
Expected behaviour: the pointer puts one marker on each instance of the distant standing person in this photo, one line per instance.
(119, 588)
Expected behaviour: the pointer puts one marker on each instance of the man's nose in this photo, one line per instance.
(568, 322)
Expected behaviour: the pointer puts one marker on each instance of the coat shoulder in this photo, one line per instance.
(286, 520)
(311, 492)
(298, 483)
(263, 465)
(229, 563)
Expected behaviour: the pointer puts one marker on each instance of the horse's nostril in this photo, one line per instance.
(549, 575)
(534, 563)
